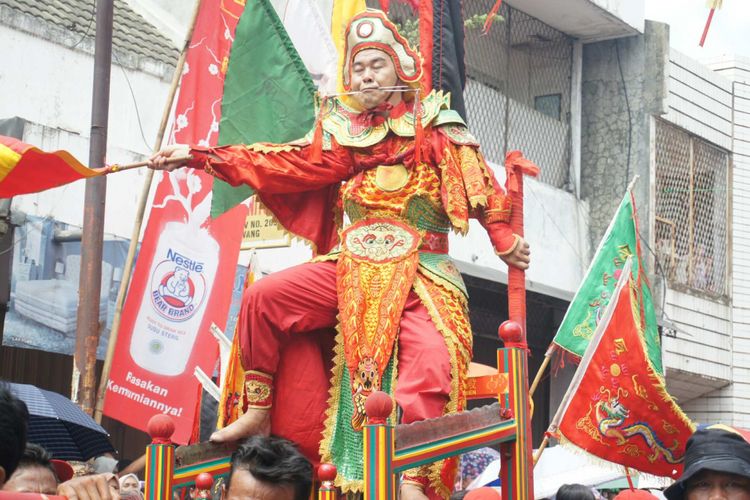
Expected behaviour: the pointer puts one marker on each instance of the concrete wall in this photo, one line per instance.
(631, 12)
(54, 94)
(700, 100)
(605, 173)
(698, 351)
(738, 70)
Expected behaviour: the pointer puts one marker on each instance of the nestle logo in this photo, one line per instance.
(183, 261)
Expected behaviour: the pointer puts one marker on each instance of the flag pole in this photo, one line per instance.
(127, 268)
(540, 450)
(708, 25)
(111, 169)
(629, 477)
(539, 373)
(83, 377)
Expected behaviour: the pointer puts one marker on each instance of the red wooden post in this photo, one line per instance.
(516, 461)
(514, 358)
(159, 459)
(380, 482)
(204, 482)
(327, 475)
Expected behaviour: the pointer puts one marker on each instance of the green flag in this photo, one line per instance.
(619, 242)
(268, 93)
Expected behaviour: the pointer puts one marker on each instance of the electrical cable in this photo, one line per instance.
(88, 28)
(627, 106)
(135, 103)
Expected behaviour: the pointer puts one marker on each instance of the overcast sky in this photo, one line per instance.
(729, 32)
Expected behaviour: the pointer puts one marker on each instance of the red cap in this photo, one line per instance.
(63, 470)
(635, 495)
(485, 493)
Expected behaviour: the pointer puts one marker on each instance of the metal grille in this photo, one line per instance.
(518, 85)
(691, 210)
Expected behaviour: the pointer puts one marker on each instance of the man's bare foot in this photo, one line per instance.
(412, 492)
(254, 422)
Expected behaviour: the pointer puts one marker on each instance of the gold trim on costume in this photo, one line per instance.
(392, 177)
(511, 249)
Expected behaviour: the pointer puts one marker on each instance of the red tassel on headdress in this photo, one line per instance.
(384, 5)
(418, 130)
(491, 17)
(316, 147)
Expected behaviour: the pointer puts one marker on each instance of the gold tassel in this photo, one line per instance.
(418, 130)
(316, 147)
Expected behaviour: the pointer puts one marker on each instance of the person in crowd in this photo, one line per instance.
(105, 463)
(129, 482)
(14, 417)
(122, 464)
(717, 466)
(269, 468)
(485, 493)
(37, 472)
(635, 495)
(574, 492)
(131, 495)
(14, 421)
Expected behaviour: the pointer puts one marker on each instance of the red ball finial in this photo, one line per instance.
(160, 428)
(378, 407)
(511, 333)
(327, 472)
(204, 481)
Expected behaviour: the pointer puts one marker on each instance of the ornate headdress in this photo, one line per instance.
(371, 29)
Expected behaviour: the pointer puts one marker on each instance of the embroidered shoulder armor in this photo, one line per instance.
(455, 130)
(339, 122)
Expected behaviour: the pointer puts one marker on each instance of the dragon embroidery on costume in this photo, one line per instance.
(611, 415)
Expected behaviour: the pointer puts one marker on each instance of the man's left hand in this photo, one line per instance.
(520, 257)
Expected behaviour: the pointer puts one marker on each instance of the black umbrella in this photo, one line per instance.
(61, 426)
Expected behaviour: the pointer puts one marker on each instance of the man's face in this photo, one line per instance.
(244, 486)
(371, 70)
(130, 483)
(32, 479)
(710, 485)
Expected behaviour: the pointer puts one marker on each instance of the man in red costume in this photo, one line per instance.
(405, 172)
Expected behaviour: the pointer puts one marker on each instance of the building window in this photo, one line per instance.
(692, 205)
(548, 105)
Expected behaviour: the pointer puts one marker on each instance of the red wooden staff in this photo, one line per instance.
(517, 472)
(516, 166)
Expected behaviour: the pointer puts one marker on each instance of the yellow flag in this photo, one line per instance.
(343, 11)
(230, 405)
(714, 4)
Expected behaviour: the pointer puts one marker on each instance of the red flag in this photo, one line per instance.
(617, 407)
(186, 265)
(25, 169)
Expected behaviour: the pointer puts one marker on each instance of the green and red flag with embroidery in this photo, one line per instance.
(617, 407)
(26, 169)
(268, 93)
(585, 311)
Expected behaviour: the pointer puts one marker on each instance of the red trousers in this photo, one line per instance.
(290, 306)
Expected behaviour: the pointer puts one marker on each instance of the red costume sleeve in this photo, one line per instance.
(469, 189)
(495, 218)
(301, 195)
(272, 168)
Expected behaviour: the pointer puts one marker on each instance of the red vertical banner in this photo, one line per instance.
(186, 265)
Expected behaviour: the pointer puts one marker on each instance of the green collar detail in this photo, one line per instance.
(338, 121)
